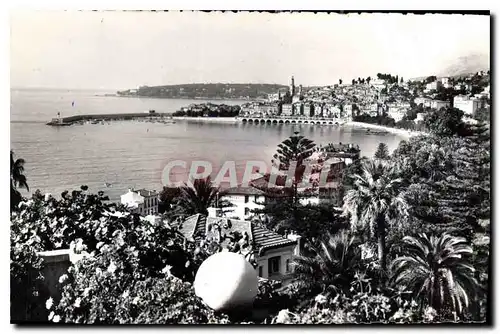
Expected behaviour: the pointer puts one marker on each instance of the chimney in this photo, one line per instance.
(298, 239)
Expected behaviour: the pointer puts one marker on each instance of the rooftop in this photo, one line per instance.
(200, 226)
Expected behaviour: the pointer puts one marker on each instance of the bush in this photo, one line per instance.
(85, 221)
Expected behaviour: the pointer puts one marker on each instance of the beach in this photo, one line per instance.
(399, 132)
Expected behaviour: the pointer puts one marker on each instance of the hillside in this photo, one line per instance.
(467, 64)
(206, 91)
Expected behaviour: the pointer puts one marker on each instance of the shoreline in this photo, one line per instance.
(396, 131)
(230, 120)
(233, 120)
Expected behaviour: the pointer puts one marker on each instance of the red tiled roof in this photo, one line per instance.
(197, 227)
(250, 190)
(146, 193)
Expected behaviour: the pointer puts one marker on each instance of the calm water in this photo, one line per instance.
(133, 154)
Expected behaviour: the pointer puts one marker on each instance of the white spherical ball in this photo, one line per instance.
(226, 280)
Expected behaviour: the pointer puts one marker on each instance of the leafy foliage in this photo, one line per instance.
(438, 271)
(374, 202)
(382, 152)
(17, 180)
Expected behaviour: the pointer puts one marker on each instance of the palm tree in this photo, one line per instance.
(375, 201)
(198, 197)
(438, 271)
(17, 180)
(331, 266)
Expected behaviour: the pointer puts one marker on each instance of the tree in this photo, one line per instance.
(382, 152)
(340, 81)
(17, 180)
(167, 198)
(198, 197)
(295, 148)
(402, 81)
(332, 266)
(438, 272)
(368, 80)
(375, 201)
(446, 122)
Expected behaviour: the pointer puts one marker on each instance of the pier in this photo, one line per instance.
(105, 117)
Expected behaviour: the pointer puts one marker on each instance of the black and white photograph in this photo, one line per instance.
(250, 167)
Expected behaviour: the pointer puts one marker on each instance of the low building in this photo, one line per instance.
(142, 201)
(466, 104)
(420, 117)
(445, 80)
(425, 101)
(396, 113)
(438, 104)
(272, 252)
(244, 201)
(433, 85)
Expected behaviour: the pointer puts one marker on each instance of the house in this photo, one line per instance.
(271, 251)
(433, 85)
(244, 200)
(438, 104)
(396, 113)
(466, 104)
(142, 201)
(287, 110)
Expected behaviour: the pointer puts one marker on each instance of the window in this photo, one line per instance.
(247, 211)
(261, 271)
(274, 265)
(246, 198)
(287, 263)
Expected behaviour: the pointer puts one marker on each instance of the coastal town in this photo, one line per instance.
(386, 100)
(365, 200)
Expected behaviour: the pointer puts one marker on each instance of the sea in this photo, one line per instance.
(119, 155)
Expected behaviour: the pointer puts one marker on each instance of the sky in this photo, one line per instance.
(122, 50)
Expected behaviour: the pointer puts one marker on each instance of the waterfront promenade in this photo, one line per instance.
(235, 120)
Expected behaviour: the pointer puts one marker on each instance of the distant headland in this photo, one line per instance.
(211, 91)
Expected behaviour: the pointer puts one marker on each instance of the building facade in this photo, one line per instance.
(466, 104)
(438, 104)
(271, 252)
(244, 201)
(142, 201)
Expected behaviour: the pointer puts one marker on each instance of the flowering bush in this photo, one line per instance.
(96, 294)
(85, 222)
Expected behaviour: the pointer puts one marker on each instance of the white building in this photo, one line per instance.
(286, 110)
(378, 83)
(396, 113)
(272, 252)
(466, 104)
(438, 104)
(144, 202)
(433, 85)
(425, 101)
(445, 80)
(244, 200)
(420, 117)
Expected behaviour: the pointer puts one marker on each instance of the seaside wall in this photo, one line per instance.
(231, 120)
(399, 132)
(77, 118)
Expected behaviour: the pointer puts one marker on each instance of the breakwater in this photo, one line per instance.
(106, 117)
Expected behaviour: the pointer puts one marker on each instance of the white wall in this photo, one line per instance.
(238, 210)
(285, 253)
